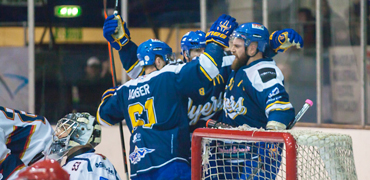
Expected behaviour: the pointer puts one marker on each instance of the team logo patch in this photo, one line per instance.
(136, 138)
(138, 154)
(258, 26)
(267, 74)
(274, 92)
(282, 38)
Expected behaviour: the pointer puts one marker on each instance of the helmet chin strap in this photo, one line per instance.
(187, 54)
(155, 65)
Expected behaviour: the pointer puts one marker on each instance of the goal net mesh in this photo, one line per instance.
(316, 155)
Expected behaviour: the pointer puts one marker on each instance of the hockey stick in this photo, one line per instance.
(114, 78)
(308, 103)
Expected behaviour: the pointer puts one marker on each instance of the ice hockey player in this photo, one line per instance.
(255, 95)
(76, 135)
(47, 169)
(191, 45)
(155, 105)
(23, 138)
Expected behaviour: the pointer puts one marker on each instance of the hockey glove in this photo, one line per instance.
(116, 32)
(221, 30)
(274, 125)
(108, 93)
(282, 40)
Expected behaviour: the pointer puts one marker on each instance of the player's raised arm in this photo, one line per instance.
(123, 44)
(195, 74)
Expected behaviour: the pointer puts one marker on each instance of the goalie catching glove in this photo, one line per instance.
(116, 32)
(282, 40)
(221, 30)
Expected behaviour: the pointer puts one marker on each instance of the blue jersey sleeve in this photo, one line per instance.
(109, 112)
(198, 74)
(272, 96)
(269, 53)
(129, 60)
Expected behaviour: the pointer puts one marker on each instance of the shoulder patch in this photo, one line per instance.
(267, 74)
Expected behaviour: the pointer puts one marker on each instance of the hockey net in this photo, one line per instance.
(243, 153)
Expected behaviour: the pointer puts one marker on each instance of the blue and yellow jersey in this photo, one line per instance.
(255, 94)
(23, 136)
(198, 110)
(155, 107)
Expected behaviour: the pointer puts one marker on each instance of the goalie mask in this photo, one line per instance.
(72, 130)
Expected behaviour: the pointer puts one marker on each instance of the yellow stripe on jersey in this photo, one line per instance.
(2, 160)
(240, 83)
(277, 102)
(107, 95)
(222, 79)
(210, 57)
(132, 67)
(142, 71)
(33, 129)
(98, 118)
(279, 109)
(205, 73)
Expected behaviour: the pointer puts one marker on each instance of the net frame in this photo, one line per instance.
(295, 142)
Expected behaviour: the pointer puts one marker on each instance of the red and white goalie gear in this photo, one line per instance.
(23, 138)
(90, 166)
(44, 170)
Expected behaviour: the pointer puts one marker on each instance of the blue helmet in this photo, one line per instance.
(193, 40)
(253, 32)
(147, 51)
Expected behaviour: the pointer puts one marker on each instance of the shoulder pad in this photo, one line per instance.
(267, 74)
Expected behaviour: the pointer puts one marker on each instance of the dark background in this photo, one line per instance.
(142, 13)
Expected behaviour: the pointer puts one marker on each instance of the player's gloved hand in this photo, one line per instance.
(274, 125)
(282, 40)
(108, 93)
(221, 30)
(116, 32)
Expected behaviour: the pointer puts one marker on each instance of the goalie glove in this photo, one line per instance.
(282, 40)
(116, 32)
(274, 125)
(221, 30)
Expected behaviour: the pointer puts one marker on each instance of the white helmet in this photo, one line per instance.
(72, 130)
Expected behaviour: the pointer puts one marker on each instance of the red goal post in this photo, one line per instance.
(303, 154)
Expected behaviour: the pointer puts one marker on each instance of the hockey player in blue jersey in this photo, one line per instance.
(155, 105)
(255, 95)
(192, 44)
(76, 136)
